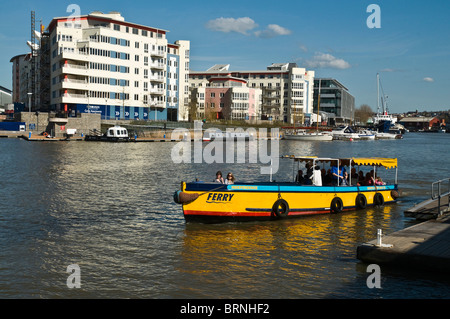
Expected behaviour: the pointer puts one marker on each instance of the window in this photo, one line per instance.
(117, 27)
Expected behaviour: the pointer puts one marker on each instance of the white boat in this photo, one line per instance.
(113, 134)
(219, 135)
(345, 132)
(302, 135)
(383, 119)
(366, 135)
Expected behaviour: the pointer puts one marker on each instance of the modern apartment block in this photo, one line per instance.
(226, 97)
(20, 77)
(335, 100)
(100, 63)
(286, 89)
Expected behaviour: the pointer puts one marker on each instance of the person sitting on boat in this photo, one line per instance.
(369, 180)
(361, 178)
(309, 173)
(327, 178)
(299, 178)
(219, 178)
(354, 174)
(379, 181)
(316, 176)
(344, 181)
(230, 179)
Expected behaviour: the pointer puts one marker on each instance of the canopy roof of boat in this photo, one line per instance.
(365, 161)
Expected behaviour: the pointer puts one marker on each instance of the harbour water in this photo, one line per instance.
(108, 208)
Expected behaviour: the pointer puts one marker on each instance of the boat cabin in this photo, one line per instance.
(117, 132)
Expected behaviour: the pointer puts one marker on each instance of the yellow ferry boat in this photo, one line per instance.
(214, 202)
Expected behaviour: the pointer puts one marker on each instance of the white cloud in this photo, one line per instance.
(428, 79)
(272, 30)
(325, 60)
(239, 25)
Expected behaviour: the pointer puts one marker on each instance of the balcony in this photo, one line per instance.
(157, 53)
(76, 69)
(157, 91)
(157, 65)
(156, 78)
(158, 104)
(75, 56)
(74, 84)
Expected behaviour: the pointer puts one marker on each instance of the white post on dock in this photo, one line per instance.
(379, 235)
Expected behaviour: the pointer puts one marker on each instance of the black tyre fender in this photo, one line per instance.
(378, 199)
(361, 201)
(280, 208)
(336, 205)
(394, 194)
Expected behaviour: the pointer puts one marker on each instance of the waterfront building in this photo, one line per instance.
(422, 123)
(286, 89)
(20, 81)
(335, 100)
(5, 97)
(226, 97)
(100, 63)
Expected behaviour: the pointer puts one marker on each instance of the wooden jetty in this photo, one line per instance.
(434, 207)
(425, 246)
(428, 209)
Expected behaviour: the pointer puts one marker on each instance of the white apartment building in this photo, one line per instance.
(287, 90)
(102, 64)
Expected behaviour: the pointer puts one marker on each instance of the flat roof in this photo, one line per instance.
(104, 18)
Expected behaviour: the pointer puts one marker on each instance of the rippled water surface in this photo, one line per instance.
(109, 209)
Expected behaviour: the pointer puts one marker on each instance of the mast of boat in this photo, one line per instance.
(378, 93)
(318, 107)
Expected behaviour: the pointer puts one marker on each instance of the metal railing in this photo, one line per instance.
(438, 191)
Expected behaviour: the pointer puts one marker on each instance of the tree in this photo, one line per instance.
(363, 113)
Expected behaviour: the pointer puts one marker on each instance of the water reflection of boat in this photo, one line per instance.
(387, 136)
(213, 202)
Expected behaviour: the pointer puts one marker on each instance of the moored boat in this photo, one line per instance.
(303, 135)
(214, 202)
(366, 135)
(113, 134)
(345, 132)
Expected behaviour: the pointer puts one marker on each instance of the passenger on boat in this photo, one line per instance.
(219, 178)
(230, 179)
(369, 180)
(344, 181)
(379, 181)
(327, 178)
(316, 176)
(354, 174)
(299, 178)
(337, 174)
(309, 174)
(361, 178)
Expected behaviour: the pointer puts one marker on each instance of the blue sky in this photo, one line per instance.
(411, 50)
